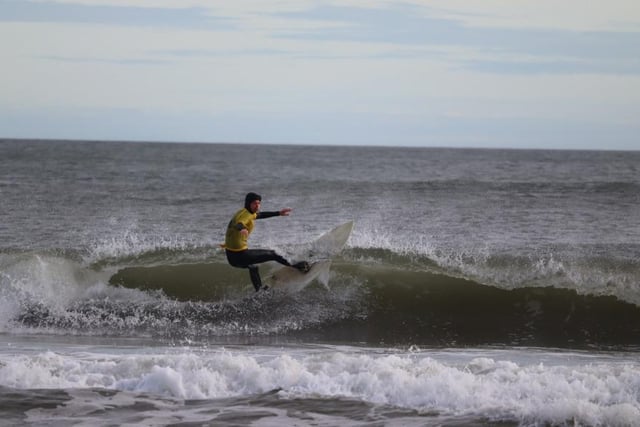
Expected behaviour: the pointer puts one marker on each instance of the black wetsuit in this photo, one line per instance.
(248, 258)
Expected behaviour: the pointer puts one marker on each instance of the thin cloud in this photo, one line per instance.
(549, 50)
(52, 12)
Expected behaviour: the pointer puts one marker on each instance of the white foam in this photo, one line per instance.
(52, 282)
(374, 237)
(589, 392)
(129, 243)
(56, 280)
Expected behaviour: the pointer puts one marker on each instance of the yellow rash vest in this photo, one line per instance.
(234, 241)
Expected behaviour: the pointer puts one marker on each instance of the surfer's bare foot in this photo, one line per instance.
(302, 266)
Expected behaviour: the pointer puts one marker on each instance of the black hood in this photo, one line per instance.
(250, 197)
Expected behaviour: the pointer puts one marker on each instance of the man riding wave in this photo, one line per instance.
(236, 240)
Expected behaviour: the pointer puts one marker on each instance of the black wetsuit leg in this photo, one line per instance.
(250, 257)
(255, 277)
(243, 259)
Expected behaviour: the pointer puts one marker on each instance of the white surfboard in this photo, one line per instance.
(293, 280)
(318, 253)
(330, 243)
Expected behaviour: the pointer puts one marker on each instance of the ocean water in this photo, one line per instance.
(479, 287)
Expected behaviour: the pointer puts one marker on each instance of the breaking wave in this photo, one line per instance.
(375, 296)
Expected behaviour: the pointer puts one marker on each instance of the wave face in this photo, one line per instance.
(375, 296)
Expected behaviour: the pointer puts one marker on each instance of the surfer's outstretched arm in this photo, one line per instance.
(281, 212)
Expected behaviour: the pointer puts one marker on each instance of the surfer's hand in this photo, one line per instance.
(285, 211)
(244, 232)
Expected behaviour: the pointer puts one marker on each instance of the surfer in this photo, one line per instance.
(236, 246)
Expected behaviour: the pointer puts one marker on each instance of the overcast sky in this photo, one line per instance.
(472, 73)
